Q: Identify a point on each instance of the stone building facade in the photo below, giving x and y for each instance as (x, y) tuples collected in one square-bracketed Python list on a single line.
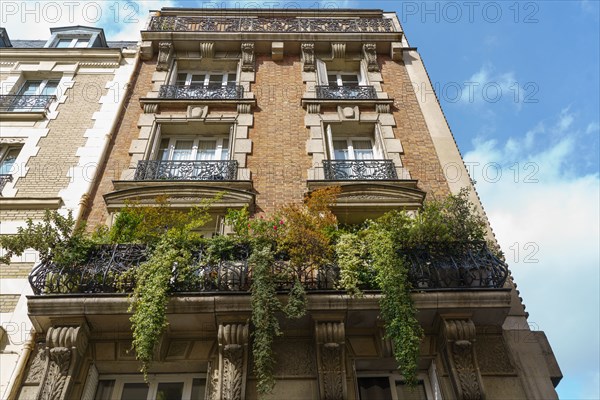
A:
[(263, 107), (60, 99)]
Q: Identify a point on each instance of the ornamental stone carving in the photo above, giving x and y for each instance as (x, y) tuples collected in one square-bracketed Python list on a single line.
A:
[(165, 54), (64, 349), (330, 338), (308, 57), (370, 55), (338, 50), (248, 57), (233, 362), (457, 338), (207, 49)]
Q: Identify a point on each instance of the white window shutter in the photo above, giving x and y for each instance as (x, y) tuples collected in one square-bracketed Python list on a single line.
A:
[(91, 383), (321, 73), (379, 150), (155, 144), (172, 79), (329, 136), (363, 74)]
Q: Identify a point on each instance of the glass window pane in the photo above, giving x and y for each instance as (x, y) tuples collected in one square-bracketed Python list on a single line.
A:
[(163, 150), (135, 391), (30, 88), (374, 388), (183, 149), (181, 78), (169, 391), (63, 43), (206, 150), (198, 389), (82, 43), (215, 79), (197, 80), (332, 79), (50, 88), (104, 390), (405, 392), (340, 149), (8, 161), (225, 150), (348, 80), (363, 149)]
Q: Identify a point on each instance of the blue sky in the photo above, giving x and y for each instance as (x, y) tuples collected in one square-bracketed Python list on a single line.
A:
[(519, 84)]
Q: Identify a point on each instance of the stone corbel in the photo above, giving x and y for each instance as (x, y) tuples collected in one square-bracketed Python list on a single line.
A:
[(308, 57), (146, 51), (338, 50), (396, 51), (207, 50), (370, 55), (456, 343), (248, 57), (330, 338), (233, 361), (277, 51), (65, 347), (165, 54)]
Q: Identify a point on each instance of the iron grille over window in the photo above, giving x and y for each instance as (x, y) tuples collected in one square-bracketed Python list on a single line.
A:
[(359, 169), (201, 92), (220, 170), (346, 92)]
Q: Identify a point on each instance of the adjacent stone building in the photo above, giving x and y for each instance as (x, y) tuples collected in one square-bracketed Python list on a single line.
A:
[(60, 100), (262, 107)]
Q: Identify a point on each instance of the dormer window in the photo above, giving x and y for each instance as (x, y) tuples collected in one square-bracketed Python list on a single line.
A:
[(72, 43)]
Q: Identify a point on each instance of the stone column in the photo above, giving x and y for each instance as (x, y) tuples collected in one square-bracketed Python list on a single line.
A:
[(457, 346), (331, 345)]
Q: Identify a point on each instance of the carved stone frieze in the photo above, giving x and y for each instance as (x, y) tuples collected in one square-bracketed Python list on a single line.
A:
[(308, 57), (370, 55), (330, 338), (457, 338), (248, 57), (207, 49), (338, 50), (233, 361), (37, 367), (64, 348), (165, 54)]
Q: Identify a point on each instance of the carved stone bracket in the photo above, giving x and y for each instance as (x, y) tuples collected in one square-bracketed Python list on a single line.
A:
[(233, 361), (165, 54), (207, 49), (330, 338), (248, 57), (370, 55), (457, 338), (382, 108), (244, 108), (64, 349), (150, 108), (308, 57), (338, 50), (313, 108)]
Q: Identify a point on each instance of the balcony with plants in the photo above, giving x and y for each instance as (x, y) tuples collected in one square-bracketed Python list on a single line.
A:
[(280, 264)]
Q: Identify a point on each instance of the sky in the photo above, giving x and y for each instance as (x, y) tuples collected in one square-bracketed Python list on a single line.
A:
[(519, 84)]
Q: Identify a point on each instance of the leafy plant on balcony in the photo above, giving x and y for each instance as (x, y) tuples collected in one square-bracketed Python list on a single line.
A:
[(376, 251), (56, 238)]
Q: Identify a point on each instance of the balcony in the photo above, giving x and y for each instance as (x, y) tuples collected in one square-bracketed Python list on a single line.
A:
[(346, 92), (201, 92), (344, 170), (4, 179), (12, 103), (222, 170), (431, 267)]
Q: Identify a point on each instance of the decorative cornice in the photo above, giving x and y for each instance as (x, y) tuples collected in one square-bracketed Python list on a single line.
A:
[(52, 54), (30, 203)]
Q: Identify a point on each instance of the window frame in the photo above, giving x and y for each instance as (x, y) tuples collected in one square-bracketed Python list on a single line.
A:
[(196, 140), (41, 88), (379, 152), (323, 74), (207, 74), (393, 378), (4, 151), (74, 41), (153, 381)]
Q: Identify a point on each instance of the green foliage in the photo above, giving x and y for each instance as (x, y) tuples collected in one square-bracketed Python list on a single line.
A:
[(352, 252), (266, 326), (56, 238), (296, 305)]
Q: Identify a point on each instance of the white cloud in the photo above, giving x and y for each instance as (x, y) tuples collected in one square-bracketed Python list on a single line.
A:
[(490, 86), (121, 20), (546, 218)]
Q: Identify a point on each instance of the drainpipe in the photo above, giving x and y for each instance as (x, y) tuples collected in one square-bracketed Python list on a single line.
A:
[(104, 156), (13, 386)]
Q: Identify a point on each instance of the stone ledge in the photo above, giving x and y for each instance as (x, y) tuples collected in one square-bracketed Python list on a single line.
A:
[(30, 203)]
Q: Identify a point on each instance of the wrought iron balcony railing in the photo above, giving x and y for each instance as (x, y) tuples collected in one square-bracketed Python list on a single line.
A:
[(346, 92), (201, 92), (222, 170), (109, 268), (341, 170), (4, 179), (272, 24), (25, 103)]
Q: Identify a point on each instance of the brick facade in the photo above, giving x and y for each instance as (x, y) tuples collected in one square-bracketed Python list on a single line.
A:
[(8, 302), (15, 270)]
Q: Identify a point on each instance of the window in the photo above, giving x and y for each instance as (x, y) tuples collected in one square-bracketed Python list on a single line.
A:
[(194, 149), (353, 149), (159, 387), (389, 388), (39, 88), (205, 78), (8, 157), (343, 79), (64, 43)]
